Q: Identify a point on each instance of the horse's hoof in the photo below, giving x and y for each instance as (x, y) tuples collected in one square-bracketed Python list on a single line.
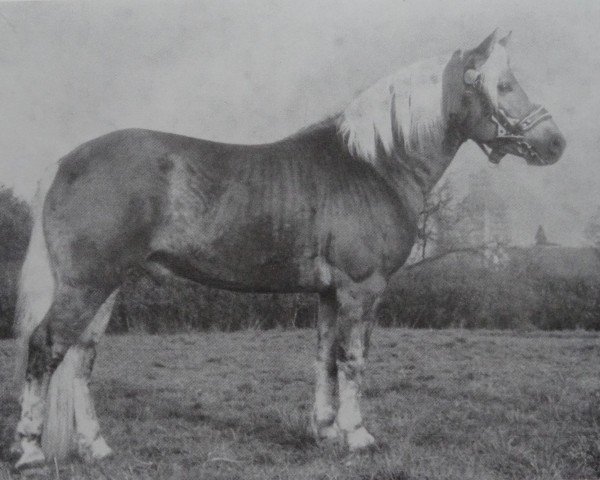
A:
[(359, 439), (100, 450), (15, 451), (329, 433), (31, 457), (97, 450), (325, 430)]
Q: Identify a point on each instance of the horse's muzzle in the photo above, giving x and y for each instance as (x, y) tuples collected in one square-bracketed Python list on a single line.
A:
[(534, 137), (548, 143)]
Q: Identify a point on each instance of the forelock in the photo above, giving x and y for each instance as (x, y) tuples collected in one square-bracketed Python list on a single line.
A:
[(492, 69)]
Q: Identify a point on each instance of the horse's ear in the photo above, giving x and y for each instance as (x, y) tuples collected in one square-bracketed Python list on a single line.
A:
[(453, 86), (504, 41), (485, 48)]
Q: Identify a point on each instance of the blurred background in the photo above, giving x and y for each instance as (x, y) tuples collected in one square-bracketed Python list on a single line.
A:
[(256, 71)]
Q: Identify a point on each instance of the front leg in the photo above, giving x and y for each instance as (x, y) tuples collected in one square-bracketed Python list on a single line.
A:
[(351, 365), (323, 418), (356, 304)]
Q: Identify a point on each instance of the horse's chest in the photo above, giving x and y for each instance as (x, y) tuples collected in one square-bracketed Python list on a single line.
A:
[(378, 238)]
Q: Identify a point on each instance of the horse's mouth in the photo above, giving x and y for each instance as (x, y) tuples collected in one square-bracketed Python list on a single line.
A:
[(520, 148)]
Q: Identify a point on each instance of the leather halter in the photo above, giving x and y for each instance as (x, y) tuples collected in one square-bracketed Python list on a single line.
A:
[(510, 129)]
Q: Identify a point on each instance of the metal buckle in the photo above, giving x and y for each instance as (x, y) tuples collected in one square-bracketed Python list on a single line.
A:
[(539, 114)]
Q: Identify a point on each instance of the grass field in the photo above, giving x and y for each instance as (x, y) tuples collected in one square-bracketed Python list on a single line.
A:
[(443, 405)]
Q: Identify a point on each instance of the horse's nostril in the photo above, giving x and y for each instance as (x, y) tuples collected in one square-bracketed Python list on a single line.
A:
[(557, 144)]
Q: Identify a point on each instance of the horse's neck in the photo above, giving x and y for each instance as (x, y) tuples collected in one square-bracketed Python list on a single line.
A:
[(399, 127), (414, 174), (424, 155)]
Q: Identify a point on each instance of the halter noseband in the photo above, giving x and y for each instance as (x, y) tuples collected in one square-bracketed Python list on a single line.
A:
[(509, 128)]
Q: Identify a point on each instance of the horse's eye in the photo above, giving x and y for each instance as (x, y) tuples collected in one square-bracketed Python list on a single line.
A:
[(505, 87)]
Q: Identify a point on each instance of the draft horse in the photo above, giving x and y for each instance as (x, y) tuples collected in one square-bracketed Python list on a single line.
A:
[(331, 210)]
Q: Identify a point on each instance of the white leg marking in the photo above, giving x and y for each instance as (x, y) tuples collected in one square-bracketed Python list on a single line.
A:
[(323, 425), (349, 418), (32, 409), (29, 428), (356, 308), (323, 418), (32, 456), (89, 440)]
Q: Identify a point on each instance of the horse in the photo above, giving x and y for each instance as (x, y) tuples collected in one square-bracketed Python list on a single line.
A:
[(330, 210)]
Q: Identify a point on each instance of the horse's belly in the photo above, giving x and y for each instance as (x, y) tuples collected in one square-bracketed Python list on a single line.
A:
[(250, 261), (240, 232)]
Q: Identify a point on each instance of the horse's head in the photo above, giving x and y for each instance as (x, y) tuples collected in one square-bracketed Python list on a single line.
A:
[(496, 113)]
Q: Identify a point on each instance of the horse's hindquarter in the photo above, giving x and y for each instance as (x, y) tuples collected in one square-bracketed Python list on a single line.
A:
[(101, 211), (262, 218)]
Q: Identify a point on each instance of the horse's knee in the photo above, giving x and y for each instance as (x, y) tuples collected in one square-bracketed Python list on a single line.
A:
[(356, 307), (351, 346)]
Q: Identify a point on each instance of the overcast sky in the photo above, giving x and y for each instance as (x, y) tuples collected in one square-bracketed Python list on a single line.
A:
[(255, 71)]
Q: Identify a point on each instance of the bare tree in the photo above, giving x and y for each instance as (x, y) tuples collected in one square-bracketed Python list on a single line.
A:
[(592, 229), (15, 226), (540, 236), (483, 213), (476, 224), (436, 216)]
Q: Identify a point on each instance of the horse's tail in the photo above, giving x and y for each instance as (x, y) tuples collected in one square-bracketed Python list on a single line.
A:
[(58, 432), (36, 284)]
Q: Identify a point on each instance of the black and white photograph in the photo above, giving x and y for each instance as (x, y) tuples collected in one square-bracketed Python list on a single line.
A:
[(300, 240)]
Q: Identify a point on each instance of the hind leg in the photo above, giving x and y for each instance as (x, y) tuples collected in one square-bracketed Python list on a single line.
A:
[(27, 446), (91, 444), (323, 418), (48, 390)]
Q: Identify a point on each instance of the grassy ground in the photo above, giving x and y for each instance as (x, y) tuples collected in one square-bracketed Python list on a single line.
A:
[(443, 405)]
